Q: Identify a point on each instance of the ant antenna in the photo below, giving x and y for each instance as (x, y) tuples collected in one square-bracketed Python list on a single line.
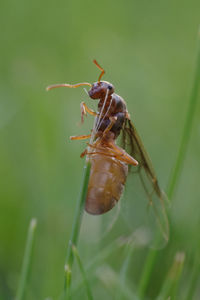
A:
[(50, 87), (102, 70)]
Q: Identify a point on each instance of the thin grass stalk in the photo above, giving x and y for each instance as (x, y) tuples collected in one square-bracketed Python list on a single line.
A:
[(75, 230), (82, 270), (194, 277), (192, 284), (124, 270), (148, 267), (175, 175), (98, 259), (26, 261), (170, 286), (111, 282)]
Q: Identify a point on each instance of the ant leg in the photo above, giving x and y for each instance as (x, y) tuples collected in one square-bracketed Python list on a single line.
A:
[(85, 109), (112, 154), (94, 146), (80, 137), (125, 157), (108, 128), (122, 155), (117, 153), (128, 115), (84, 153)]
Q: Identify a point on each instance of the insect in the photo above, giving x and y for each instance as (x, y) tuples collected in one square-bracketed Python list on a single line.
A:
[(109, 162)]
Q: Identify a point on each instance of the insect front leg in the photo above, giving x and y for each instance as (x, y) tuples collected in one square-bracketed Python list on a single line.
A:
[(85, 109)]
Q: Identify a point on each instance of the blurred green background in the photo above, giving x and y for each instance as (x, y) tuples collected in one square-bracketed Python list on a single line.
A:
[(148, 50)]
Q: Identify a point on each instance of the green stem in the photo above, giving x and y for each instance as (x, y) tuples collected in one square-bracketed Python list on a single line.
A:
[(187, 127), (98, 259), (175, 175), (124, 270), (194, 277), (89, 293), (170, 286), (26, 261), (75, 230), (111, 281), (149, 263)]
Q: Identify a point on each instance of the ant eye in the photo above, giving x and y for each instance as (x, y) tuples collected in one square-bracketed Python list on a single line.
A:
[(110, 87)]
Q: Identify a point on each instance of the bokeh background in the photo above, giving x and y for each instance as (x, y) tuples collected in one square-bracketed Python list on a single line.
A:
[(148, 50)]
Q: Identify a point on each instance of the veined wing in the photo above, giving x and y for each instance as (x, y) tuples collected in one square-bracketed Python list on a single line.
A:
[(157, 199)]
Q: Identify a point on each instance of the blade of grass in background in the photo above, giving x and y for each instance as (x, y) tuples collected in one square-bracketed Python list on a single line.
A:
[(75, 230), (26, 261), (175, 175), (193, 278), (111, 282), (187, 126), (88, 289), (124, 270), (170, 286), (99, 258)]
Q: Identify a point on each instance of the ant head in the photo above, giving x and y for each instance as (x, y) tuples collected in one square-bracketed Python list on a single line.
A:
[(100, 89)]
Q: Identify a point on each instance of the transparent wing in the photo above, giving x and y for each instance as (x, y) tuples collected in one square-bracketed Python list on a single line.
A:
[(142, 183)]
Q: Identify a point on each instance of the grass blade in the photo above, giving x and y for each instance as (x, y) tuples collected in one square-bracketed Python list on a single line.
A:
[(111, 281), (75, 230), (86, 283), (175, 175), (169, 289), (123, 273), (193, 278), (26, 261), (98, 259)]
